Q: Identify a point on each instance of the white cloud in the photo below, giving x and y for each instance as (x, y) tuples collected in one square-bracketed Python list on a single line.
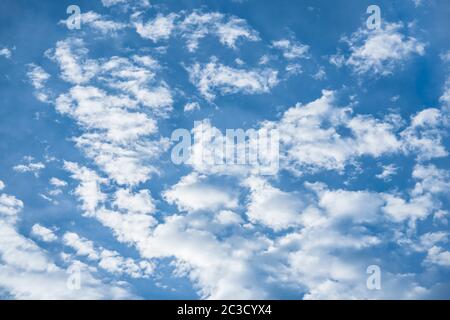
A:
[(291, 49), (117, 103), (214, 76), (360, 206), (37, 76), (30, 166), (310, 138), (198, 25), (439, 256), (320, 74), (227, 217), (108, 260), (388, 171), (417, 3), (445, 56), (58, 182), (118, 126), (193, 193), (93, 108), (160, 28), (5, 52), (425, 134), (233, 29), (127, 164), (430, 179), (26, 271), (2, 185), (417, 208), (88, 190), (71, 57), (109, 3), (82, 246), (191, 106), (10, 205), (195, 26), (220, 270), (43, 233), (99, 23), (132, 228), (140, 202), (378, 51), (127, 3), (112, 262), (272, 207)]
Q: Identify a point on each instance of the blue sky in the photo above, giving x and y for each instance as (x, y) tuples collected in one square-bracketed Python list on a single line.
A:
[(89, 194)]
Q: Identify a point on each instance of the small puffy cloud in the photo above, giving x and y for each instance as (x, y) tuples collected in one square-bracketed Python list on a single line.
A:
[(2, 185), (215, 77), (71, 56), (194, 193), (320, 74), (43, 233), (191, 106), (233, 29), (388, 171), (291, 49), (160, 28), (379, 51), (5, 52), (37, 76), (82, 246), (58, 183)]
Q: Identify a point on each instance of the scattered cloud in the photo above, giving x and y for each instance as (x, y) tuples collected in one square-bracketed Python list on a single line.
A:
[(43, 233), (215, 77)]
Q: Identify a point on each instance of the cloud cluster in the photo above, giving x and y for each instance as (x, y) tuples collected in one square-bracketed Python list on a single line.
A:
[(232, 233), (27, 272)]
